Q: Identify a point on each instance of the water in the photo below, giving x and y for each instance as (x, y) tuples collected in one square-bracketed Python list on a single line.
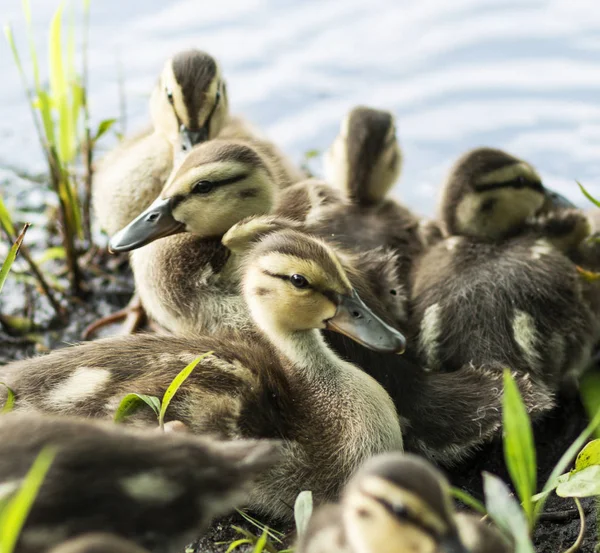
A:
[(520, 75)]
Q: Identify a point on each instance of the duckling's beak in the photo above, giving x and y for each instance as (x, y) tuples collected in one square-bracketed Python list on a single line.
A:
[(554, 201), (156, 222), (190, 138), (355, 320)]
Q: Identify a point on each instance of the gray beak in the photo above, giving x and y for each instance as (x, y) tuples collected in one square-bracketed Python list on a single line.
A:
[(190, 138), (156, 222), (355, 320), (555, 201)]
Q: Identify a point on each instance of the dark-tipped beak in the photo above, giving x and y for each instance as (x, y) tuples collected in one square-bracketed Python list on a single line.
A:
[(354, 319), (156, 222), (452, 544), (190, 138), (555, 201)]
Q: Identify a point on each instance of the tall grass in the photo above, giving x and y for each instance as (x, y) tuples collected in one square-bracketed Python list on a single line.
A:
[(61, 116)]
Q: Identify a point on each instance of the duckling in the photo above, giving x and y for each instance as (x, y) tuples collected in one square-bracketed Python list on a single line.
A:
[(362, 164), (186, 282), (499, 289), (188, 105), (158, 490), (398, 503), (279, 382)]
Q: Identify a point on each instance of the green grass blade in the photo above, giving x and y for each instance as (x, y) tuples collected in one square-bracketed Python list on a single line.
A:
[(12, 255), (273, 534), (261, 543), (132, 402), (590, 395), (565, 461), (14, 514), (103, 128), (237, 543), (175, 385), (58, 82), (588, 195), (10, 399), (6, 220), (519, 449), (506, 512), (468, 500), (32, 49), (303, 509)]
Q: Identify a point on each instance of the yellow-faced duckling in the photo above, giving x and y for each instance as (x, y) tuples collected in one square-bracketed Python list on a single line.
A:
[(363, 163), (186, 282), (158, 490), (499, 291), (398, 504), (188, 105), (281, 382)]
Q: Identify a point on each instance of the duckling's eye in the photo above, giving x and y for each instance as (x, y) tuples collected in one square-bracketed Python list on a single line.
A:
[(217, 97), (169, 93), (203, 187), (400, 511), (299, 281), (521, 182)]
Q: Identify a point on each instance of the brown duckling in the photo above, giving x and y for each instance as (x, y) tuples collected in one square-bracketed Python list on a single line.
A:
[(401, 504), (188, 105), (186, 281), (158, 490), (499, 289), (281, 382), (363, 163)]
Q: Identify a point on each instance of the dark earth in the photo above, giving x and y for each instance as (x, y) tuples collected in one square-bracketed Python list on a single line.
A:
[(109, 285)]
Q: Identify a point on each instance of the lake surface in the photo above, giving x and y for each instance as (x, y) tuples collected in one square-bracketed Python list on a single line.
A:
[(520, 75)]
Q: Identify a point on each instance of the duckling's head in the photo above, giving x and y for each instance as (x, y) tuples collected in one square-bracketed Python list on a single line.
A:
[(189, 103), (218, 184), (490, 194), (365, 159), (400, 503), (293, 282)]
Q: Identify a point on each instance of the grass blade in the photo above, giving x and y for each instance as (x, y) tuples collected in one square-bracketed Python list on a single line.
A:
[(175, 385), (6, 220), (588, 195), (303, 508), (10, 399), (506, 512), (132, 402), (590, 395), (261, 543), (14, 514), (468, 500), (519, 449), (12, 255)]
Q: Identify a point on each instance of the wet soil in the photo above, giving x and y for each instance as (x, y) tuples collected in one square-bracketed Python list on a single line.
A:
[(109, 285)]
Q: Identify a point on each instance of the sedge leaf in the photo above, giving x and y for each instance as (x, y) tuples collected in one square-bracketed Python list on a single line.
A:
[(132, 402), (590, 395), (588, 195), (15, 511), (10, 399), (519, 449), (103, 128), (588, 456), (506, 512), (6, 220), (582, 483), (175, 385), (468, 500), (12, 255)]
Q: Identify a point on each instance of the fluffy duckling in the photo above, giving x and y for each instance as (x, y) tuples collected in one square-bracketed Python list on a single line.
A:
[(158, 490), (188, 105), (186, 282), (398, 503), (499, 290), (363, 163), (282, 382)]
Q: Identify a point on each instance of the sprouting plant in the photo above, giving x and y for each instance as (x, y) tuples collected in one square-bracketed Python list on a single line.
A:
[(15, 506), (61, 117), (518, 517), (133, 401)]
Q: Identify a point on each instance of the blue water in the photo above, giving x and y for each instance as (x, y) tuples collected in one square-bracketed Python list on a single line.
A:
[(519, 75)]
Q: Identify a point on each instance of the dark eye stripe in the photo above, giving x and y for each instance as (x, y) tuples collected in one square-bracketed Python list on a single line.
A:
[(517, 183)]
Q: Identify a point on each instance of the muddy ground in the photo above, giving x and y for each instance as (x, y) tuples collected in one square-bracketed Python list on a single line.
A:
[(109, 286)]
